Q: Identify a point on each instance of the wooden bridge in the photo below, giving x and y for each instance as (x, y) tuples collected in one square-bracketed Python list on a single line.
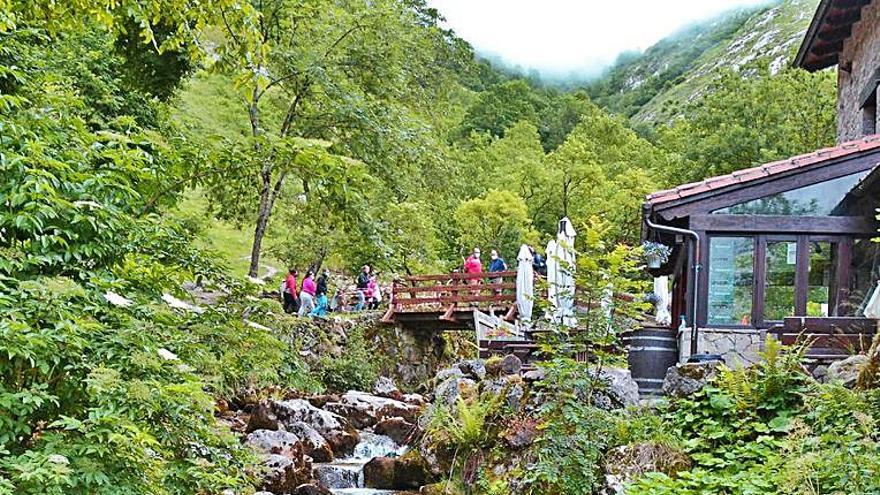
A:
[(449, 301), (469, 302)]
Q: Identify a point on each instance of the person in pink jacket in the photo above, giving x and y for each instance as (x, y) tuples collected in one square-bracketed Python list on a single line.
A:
[(307, 294), (374, 294), (473, 264)]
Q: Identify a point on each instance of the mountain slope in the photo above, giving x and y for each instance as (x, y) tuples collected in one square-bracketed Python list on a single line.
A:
[(655, 85)]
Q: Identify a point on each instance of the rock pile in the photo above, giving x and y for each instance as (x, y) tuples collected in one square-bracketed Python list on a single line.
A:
[(300, 438)]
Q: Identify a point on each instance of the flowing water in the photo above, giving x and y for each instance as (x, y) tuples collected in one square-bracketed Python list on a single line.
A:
[(345, 476)]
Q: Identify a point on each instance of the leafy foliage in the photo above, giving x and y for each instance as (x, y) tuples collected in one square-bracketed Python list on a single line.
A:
[(771, 429), (497, 221), (744, 122), (357, 369)]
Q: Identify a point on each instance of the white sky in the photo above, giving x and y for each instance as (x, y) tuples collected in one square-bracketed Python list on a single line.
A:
[(558, 37)]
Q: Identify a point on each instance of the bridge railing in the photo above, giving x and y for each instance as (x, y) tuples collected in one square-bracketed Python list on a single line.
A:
[(449, 291)]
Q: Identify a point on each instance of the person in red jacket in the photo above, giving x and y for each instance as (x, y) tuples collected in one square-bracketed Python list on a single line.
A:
[(288, 292)]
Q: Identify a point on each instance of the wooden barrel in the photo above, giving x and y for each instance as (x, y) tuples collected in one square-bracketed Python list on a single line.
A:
[(650, 352)]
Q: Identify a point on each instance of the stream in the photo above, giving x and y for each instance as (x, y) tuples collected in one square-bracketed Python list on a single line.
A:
[(346, 476)]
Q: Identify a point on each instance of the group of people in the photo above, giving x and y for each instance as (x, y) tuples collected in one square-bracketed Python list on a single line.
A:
[(473, 264), (310, 297)]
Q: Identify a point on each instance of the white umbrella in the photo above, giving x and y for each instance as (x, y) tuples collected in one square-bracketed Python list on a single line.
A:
[(560, 273), (525, 284), (661, 290), (565, 239), (552, 272), (872, 309)]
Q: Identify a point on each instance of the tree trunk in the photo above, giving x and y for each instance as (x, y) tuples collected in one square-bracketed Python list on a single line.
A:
[(267, 202), (316, 266), (262, 220)]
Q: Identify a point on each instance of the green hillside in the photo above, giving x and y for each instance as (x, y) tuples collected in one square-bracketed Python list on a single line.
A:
[(654, 85)]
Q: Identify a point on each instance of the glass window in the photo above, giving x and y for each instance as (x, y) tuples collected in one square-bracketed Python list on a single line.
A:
[(821, 279), (731, 264), (864, 272), (779, 279), (820, 199)]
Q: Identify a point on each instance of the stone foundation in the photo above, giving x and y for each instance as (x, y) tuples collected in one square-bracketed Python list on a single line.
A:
[(738, 347)]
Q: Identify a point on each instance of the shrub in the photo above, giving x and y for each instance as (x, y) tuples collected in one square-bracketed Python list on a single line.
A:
[(356, 369)]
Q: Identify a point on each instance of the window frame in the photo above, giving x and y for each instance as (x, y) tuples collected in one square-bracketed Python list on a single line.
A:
[(837, 291)]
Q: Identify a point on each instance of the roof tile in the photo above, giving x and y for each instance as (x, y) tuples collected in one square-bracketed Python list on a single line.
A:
[(768, 169)]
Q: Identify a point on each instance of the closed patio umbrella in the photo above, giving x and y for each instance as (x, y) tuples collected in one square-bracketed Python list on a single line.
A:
[(525, 284), (561, 280)]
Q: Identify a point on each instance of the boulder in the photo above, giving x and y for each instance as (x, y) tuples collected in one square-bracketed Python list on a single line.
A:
[(320, 400), (314, 445), (510, 386), (415, 399), (311, 489), (510, 365), (474, 369), (448, 391), (626, 463), (410, 472), (365, 410), (262, 418), (687, 379), (535, 375), (282, 475), (379, 473), (276, 442), (291, 411), (619, 389), (521, 433), (447, 373), (846, 371), (385, 387), (342, 442), (397, 429), (334, 428), (336, 477)]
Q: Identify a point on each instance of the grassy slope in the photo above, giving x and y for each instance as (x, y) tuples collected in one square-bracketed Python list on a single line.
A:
[(638, 77), (211, 108), (769, 37), (654, 86)]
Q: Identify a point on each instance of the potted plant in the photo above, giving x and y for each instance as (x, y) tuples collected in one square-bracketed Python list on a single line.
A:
[(655, 253)]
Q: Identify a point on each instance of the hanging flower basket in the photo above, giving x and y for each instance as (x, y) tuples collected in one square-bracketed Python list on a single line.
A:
[(656, 254)]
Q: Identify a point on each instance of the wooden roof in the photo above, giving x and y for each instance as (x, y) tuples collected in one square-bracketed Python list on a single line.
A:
[(778, 171), (832, 25)]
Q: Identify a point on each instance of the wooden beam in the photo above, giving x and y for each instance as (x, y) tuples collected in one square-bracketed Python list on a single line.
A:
[(846, 16), (453, 288), (836, 34), (459, 276), (777, 224), (827, 48), (415, 301)]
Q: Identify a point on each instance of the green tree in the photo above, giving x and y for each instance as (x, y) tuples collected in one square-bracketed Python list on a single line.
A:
[(340, 71), (499, 220), (743, 122), (500, 107)]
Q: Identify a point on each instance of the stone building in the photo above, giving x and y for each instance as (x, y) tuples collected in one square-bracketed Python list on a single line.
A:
[(785, 247), (846, 33)]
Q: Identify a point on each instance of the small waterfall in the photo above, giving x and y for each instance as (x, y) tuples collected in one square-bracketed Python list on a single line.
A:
[(345, 476)]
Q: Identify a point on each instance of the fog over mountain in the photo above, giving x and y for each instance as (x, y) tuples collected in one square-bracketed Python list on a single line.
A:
[(566, 40)]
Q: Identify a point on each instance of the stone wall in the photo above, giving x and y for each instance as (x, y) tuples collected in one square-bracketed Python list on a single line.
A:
[(862, 48), (738, 347)]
